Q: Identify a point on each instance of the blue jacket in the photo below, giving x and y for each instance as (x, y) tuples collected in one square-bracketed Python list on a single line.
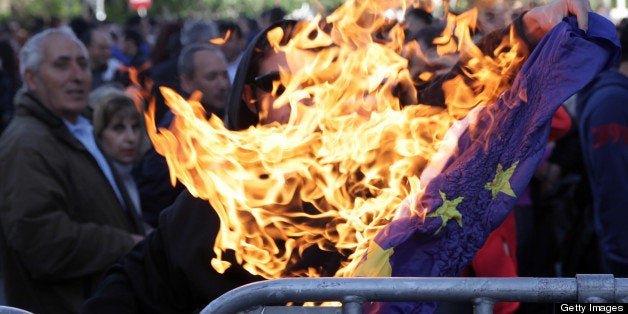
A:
[(602, 114)]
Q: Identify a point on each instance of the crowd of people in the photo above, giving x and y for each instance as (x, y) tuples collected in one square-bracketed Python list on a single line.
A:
[(91, 222)]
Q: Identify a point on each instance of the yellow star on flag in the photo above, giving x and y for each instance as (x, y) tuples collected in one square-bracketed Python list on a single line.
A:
[(501, 182), (376, 264), (448, 210)]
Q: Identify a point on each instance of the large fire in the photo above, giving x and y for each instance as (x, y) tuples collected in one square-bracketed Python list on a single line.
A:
[(338, 171)]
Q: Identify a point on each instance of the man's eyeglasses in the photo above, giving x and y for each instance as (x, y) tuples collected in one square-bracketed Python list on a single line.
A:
[(265, 82)]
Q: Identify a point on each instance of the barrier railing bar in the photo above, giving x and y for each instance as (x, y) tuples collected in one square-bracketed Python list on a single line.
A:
[(352, 292), (483, 306)]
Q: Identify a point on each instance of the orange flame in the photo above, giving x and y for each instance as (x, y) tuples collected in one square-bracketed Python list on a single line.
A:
[(337, 172), (139, 87), (220, 40)]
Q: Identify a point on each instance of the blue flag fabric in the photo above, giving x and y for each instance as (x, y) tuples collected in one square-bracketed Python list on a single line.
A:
[(494, 160)]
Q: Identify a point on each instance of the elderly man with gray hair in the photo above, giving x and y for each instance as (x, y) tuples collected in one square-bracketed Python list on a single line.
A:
[(152, 175), (162, 73), (203, 68), (64, 218)]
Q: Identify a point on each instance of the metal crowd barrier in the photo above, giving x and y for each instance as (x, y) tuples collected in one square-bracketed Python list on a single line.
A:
[(353, 292)]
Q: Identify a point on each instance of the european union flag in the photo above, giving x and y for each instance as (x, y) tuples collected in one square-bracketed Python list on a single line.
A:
[(497, 151)]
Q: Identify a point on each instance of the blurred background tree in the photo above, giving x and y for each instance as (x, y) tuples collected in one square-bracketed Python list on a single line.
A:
[(32, 13), (25, 11)]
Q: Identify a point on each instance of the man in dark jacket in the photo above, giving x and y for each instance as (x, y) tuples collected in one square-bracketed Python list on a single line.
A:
[(170, 271), (202, 69), (184, 77), (63, 217)]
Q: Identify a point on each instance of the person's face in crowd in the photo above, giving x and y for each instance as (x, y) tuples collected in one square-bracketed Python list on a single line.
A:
[(129, 47), (63, 80), (244, 25), (232, 47), (493, 15), (100, 49), (120, 139), (210, 77), (266, 88)]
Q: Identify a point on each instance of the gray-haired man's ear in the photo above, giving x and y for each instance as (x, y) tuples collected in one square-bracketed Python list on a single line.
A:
[(186, 84), (29, 77)]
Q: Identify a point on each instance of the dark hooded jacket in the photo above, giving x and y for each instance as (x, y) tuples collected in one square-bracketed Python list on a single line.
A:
[(169, 272)]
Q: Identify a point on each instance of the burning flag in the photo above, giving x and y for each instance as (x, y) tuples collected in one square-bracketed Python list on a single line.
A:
[(471, 189), (362, 173)]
